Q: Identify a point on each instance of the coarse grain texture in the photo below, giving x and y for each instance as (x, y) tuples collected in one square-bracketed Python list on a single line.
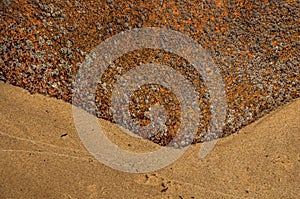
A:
[(255, 44)]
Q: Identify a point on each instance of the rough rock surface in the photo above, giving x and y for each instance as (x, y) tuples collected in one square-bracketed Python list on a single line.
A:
[(255, 45)]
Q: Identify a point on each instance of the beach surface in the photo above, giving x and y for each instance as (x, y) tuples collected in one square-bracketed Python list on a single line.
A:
[(41, 154)]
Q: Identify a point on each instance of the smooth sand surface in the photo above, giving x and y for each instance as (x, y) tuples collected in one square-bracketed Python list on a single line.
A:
[(42, 156)]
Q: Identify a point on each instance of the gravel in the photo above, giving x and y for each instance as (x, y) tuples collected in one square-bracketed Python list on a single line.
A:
[(255, 45)]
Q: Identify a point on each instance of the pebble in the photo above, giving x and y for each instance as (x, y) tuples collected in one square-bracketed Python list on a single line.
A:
[(254, 44)]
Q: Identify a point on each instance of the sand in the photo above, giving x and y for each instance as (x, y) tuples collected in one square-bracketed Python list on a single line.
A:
[(42, 156)]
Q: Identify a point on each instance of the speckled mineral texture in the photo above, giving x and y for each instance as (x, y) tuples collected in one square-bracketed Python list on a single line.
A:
[(255, 44)]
